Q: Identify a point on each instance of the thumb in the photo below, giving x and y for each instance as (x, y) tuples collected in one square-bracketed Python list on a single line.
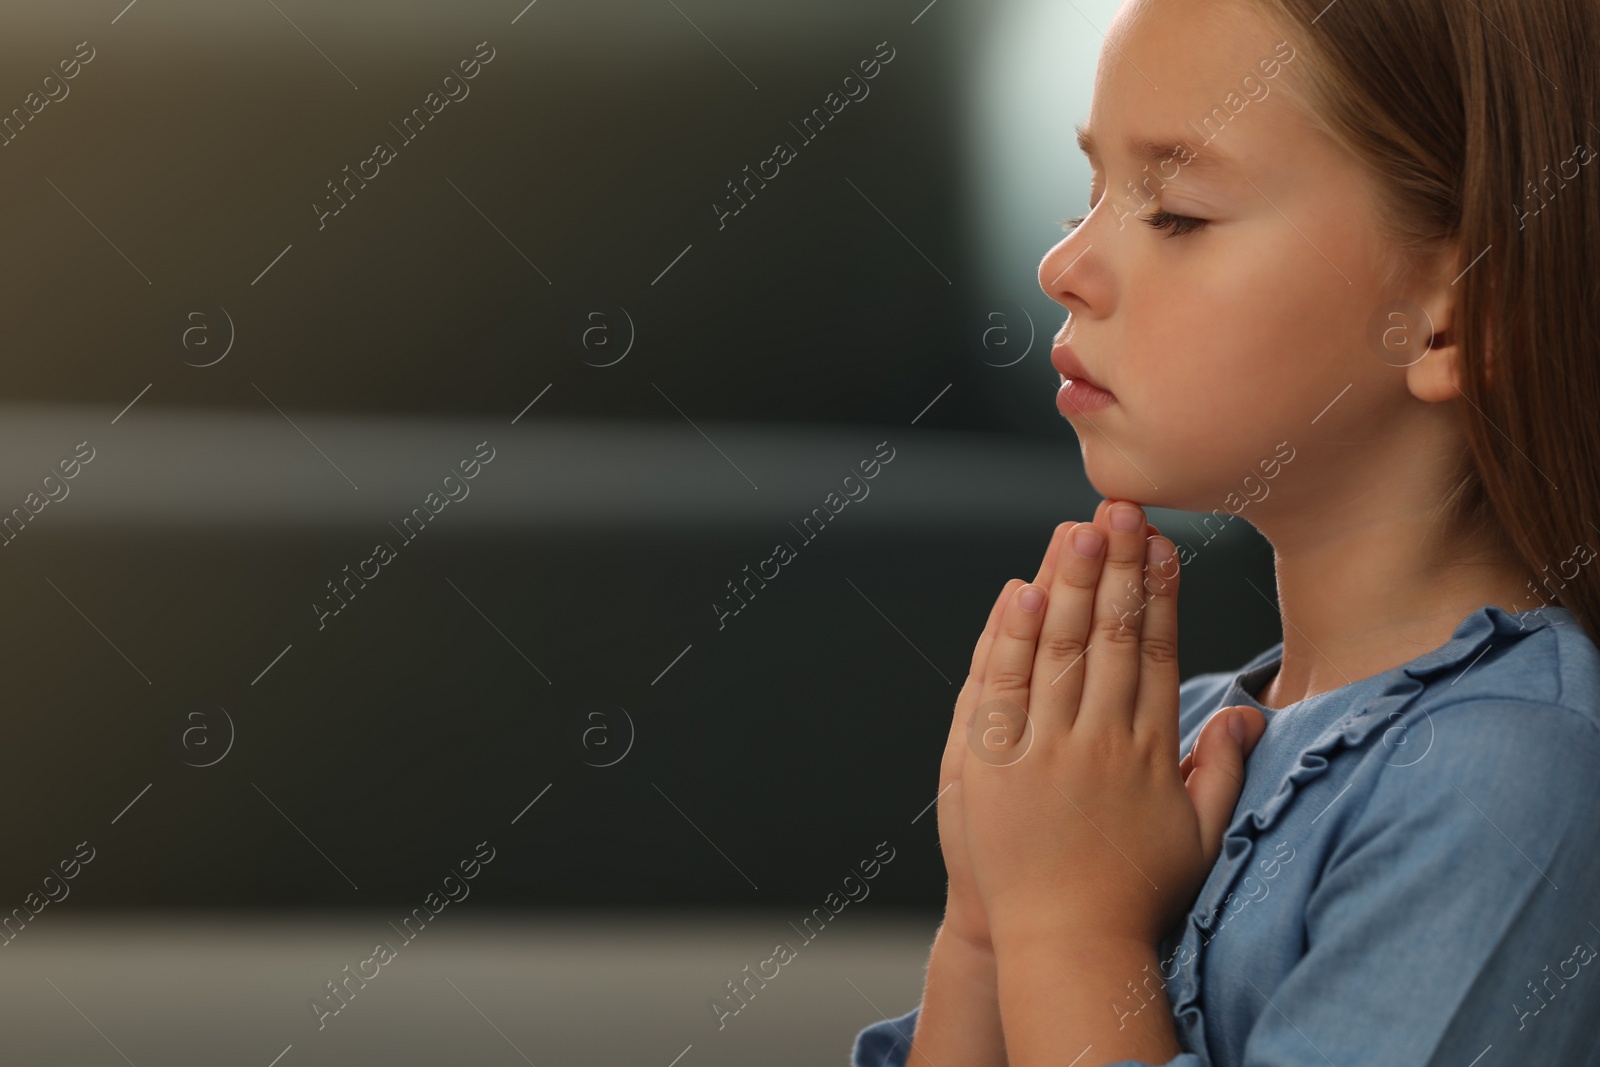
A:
[(1217, 776)]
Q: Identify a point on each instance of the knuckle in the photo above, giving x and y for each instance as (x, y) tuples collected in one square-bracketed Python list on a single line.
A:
[(1080, 573), (1150, 746), (1103, 747), (1125, 574), (1017, 628), (1160, 649), (1009, 679), (1061, 645), (1117, 629)]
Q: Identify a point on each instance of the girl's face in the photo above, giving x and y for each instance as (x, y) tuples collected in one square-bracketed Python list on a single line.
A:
[(1222, 344)]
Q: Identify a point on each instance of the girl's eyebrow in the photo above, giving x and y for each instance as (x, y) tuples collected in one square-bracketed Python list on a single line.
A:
[(1157, 151)]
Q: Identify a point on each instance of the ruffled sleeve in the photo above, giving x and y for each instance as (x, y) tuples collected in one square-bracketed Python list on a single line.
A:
[(887, 1043)]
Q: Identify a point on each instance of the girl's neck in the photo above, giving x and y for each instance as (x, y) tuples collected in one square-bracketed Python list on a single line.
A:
[(1349, 615)]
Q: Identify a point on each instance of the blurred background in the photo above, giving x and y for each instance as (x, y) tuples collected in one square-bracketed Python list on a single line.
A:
[(580, 271)]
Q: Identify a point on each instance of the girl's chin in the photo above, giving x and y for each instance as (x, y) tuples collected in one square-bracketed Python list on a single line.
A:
[(1114, 477), (1112, 474)]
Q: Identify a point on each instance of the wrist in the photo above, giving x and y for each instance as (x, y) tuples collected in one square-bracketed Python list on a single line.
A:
[(1092, 968), (977, 948), (1072, 947), (1050, 926), (960, 1017), (1083, 988), (964, 967)]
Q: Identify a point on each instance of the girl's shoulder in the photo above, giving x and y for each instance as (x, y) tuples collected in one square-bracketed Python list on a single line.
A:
[(1501, 677), (1447, 811), (1497, 728), (1542, 657), (1541, 660), (1509, 707)]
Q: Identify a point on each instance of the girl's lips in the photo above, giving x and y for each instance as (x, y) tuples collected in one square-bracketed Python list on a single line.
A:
[(1078, 397), (1065, 361)]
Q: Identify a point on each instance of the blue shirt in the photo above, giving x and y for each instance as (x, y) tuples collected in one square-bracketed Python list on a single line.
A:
[(1412, 873)]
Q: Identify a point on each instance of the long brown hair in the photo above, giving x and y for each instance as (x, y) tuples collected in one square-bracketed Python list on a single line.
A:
[(1470, 115)]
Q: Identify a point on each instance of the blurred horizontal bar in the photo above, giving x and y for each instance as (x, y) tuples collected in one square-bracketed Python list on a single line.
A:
[(486, 988), (158, 466)]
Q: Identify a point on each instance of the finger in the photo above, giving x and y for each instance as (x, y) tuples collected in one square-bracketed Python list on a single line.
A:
[(1003, 698), (955, 743), (968, 699), (1059, 663), (1156, 705), (1150, 529), (1046, 575), (1218, 775), (1047, 567), (1112, 683), (980, 651), (1186, 765)]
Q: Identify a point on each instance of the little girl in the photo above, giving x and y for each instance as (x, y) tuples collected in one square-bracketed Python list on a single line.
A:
[(1355, 243)]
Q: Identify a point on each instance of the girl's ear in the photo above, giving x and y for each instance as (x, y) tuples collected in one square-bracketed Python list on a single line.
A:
[(1437, 375)]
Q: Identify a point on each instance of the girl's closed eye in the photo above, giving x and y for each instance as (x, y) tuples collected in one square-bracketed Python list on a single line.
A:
[(1175, 225)]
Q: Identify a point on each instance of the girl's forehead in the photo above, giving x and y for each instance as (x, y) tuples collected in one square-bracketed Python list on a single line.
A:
[(1177, 83), (1186, 47)]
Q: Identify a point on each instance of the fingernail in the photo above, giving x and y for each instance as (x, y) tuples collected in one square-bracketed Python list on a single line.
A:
[(1236, 726), (1157, 551), (1126, 518), (1087, 541), (1030, 599)]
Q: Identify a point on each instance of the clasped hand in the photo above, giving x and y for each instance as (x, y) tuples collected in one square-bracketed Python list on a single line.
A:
[(1064, 810)]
